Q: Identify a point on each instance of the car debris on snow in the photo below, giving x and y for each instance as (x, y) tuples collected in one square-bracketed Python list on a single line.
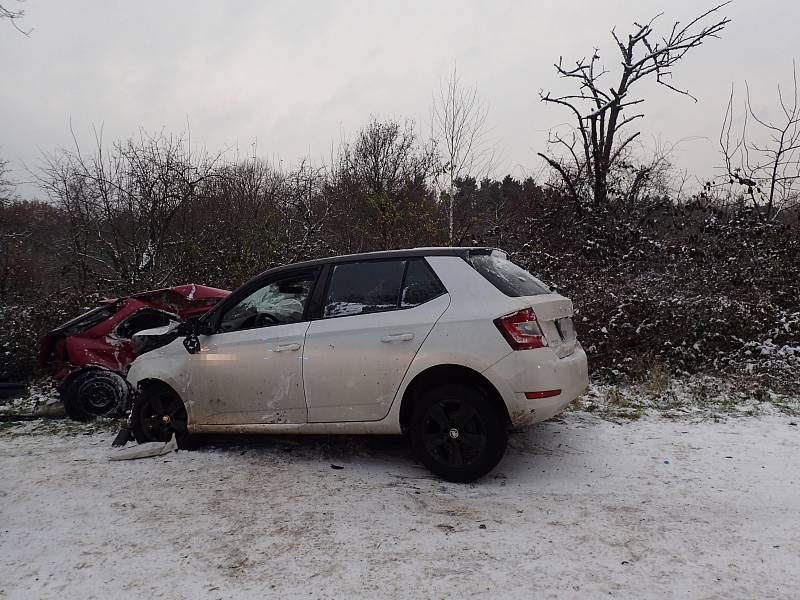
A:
[(147, 450)]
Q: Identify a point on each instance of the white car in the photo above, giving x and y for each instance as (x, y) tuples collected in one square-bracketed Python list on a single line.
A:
[(451, 346)]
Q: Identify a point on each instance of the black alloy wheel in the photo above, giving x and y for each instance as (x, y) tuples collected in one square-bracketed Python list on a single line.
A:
[(454, 433), (158, 414), (457, 433)]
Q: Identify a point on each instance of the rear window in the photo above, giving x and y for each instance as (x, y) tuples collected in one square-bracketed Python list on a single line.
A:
[(507, 277), (88, 319)]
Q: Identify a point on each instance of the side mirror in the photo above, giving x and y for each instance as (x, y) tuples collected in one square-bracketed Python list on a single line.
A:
[(191, 343), (190, 329)]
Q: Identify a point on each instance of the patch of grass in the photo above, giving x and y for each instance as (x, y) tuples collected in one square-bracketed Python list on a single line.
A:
[(659, 377), (709, 395), (615, 398)]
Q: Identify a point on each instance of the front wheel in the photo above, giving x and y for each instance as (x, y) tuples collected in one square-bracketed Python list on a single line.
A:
[(457, 433), (158, 414)]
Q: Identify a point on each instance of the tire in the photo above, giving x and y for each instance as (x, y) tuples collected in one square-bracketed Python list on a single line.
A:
[(95, 393), (157, 414), (457, 433)]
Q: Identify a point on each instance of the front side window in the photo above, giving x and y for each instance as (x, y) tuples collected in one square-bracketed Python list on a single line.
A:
[(367, 287), (277, 303)]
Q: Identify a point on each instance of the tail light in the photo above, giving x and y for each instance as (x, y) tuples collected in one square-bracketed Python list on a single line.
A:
[(521, 330)]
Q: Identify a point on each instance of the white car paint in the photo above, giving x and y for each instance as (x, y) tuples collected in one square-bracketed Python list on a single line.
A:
[(336, 375), (353, 365), (260, 369)]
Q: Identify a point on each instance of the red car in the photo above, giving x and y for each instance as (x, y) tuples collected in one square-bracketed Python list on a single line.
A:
[(90, 355)]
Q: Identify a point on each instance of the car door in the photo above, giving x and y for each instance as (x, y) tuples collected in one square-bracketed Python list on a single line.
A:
[(250, 370), (375, 316)]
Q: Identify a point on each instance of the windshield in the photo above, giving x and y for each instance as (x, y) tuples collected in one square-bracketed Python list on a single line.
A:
[(507, 277)]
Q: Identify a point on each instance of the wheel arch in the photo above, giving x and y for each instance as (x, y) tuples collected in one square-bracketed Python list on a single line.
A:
[(156, 382), (443, 374), (151, 382)]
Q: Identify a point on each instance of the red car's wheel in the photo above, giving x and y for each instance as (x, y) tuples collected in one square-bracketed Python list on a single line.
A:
[(95, 393)]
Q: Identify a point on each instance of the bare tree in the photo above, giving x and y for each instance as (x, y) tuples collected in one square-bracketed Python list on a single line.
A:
[(459, 128), (6, 187), (380, 183), (13, 16), (768, 169), (304, 210), (121, 203), (600, 139)]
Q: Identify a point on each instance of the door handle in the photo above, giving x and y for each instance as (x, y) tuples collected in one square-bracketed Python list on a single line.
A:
[(398, 337), (282, 347)]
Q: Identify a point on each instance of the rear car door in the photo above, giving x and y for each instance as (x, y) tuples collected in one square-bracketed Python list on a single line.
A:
[(250, 370), (375, 315)]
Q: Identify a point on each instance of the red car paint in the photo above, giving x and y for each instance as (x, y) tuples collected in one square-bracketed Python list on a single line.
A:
[(72, 347)]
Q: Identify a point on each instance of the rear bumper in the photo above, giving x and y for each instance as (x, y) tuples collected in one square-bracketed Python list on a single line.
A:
[(537, 371)]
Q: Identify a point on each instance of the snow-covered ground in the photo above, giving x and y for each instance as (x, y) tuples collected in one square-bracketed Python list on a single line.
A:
[(579, 508)]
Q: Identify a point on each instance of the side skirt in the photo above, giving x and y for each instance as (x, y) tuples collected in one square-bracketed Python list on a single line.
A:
[(385, 427)]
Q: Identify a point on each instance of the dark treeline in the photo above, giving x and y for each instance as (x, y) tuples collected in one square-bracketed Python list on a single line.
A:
[(701, 282)]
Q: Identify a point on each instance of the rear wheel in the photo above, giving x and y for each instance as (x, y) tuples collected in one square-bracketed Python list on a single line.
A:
[(95, 393), (457, 433), (158, 414)]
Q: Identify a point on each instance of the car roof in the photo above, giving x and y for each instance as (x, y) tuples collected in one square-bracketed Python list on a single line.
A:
[(189, 291), (462, 251)]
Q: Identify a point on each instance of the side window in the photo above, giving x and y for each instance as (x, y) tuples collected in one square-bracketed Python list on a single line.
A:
[(143, 319), (420, 285), (367, 287), (277, 303)]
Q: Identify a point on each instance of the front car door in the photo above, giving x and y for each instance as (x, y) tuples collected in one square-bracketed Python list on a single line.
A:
[(375, 316), (251, 369)]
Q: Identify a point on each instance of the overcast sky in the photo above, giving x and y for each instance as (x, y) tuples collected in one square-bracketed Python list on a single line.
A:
[(294, 77)]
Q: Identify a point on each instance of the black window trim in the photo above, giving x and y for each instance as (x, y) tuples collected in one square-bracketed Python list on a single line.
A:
[(329, 268)]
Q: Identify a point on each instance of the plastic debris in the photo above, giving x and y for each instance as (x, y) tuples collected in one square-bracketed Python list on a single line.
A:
[(145, 450)]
